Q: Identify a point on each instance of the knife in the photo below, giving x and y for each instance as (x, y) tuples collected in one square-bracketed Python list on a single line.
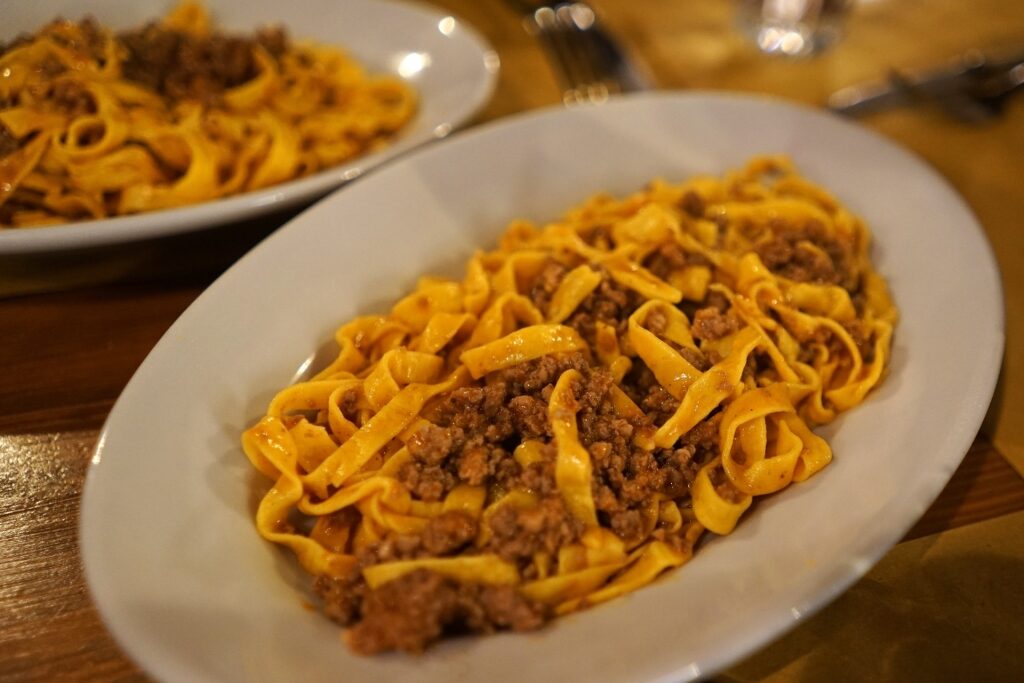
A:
[(970, 88)]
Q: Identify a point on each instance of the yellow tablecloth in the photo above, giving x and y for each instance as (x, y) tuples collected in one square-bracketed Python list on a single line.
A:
[(942, 608)]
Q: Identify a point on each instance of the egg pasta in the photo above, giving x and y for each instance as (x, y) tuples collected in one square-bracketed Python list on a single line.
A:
[(95, 124), (562, 425)]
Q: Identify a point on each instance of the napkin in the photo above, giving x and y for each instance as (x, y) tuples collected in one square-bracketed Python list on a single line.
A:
[(945, 607)]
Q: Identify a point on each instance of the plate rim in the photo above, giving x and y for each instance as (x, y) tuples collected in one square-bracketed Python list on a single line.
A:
[(841, 576)]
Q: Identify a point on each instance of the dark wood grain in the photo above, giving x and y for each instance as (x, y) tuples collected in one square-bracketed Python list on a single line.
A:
[(66, 356), (49, 629)]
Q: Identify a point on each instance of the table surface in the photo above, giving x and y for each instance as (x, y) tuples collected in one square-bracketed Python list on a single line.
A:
[(66, 355)]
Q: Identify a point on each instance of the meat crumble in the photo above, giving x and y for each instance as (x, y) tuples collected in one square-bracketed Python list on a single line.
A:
[(470, 440), (417, 608), (8, 143), (493, 437), (808, 254), (179, 65)]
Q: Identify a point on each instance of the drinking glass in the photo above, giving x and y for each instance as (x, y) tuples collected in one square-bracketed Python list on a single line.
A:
[(795, 28)]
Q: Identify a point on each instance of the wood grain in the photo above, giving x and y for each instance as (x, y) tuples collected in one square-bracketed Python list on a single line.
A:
[(49, 629), (68, 355)]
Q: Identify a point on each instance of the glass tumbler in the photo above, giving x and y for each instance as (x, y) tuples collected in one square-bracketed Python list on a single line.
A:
[(794, 28)]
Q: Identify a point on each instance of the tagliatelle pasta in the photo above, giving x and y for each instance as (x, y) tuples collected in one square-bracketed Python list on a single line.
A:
[(563, 424), (95, 124)]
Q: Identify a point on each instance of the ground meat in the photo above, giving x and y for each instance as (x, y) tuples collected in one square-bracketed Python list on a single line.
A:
[(629, 526), (704, 434), (341, 597), (657, 321), (518, 533), (51, 67), (534, 376), (659, 404), (695, 358), (488, 607), (642, 478), (474, 432), (605, 427), (448, 532), (405, 614), (8, 143), (775, 251), (473, 466), (445, 534), (476, 428), (718, 301), (72, 98), (680, 466), (693, 204), (463, 408), (349, 404), (671, 257), (600, 236), (624, 475), (414, 610), (538, 477), (675, 482), (594, 391), (92, 40), (808, 254), (643, 389), (724, 487), (427, 482), (710, 323), (179, 65), (610, 304), (530, 417), (430, 444), (545, 285), (665, 259), (506, 472), (273, 39), (605, 499)]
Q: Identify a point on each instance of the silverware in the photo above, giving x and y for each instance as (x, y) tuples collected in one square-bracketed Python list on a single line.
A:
[(973, 88), (589, 62)]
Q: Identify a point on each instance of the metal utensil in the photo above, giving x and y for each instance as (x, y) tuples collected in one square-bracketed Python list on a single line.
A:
[(973, 88), (589, 62)]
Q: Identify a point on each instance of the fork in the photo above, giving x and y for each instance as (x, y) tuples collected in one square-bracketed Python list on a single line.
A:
[(589, 64)]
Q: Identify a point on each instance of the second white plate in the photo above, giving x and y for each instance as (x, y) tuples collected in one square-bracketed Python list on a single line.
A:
[(449, 65)]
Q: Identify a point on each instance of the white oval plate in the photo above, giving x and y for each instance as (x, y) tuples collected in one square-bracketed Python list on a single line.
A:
[(192, 593), (452, 69)]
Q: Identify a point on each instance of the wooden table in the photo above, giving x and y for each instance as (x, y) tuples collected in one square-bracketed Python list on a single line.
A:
[(66, 355)]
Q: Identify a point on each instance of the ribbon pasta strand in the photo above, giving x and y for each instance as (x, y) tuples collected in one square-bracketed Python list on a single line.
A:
[(561, 425), (95, 124)]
